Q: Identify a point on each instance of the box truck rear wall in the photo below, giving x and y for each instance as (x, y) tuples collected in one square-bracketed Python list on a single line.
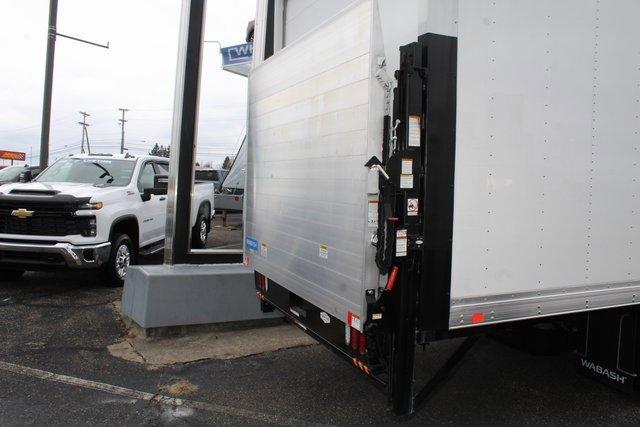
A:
[(502, 186)]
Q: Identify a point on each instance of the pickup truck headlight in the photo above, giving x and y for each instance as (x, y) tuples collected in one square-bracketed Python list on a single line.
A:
[(91, 206), (91, 228)]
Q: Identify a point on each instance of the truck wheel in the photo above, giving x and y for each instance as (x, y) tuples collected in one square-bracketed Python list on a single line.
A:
[(200, 230), (8, 275), (122, 255)]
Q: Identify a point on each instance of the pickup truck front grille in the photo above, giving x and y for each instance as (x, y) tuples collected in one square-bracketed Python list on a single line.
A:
[(42, 225), (54, 216)]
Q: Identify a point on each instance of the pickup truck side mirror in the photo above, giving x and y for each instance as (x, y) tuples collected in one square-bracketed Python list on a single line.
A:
[(148, 192), (25, 176), (160, 183)]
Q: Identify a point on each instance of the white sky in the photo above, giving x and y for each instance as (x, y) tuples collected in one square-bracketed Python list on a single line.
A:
[(137, 72)]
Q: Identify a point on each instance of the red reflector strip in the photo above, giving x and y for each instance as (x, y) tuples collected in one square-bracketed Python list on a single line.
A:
[(360, 365), (477, 318)]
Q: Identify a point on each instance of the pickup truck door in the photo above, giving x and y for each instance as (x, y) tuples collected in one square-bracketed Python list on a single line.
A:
[(153, 211)]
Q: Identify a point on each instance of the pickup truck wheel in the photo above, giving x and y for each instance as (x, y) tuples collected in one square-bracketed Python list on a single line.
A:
[(7, 275), (200, 230), (122, 255)]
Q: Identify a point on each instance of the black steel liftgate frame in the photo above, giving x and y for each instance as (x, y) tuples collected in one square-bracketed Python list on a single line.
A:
[(416, 309)]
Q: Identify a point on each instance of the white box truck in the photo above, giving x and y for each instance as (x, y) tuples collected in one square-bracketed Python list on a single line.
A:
[(423, 170)]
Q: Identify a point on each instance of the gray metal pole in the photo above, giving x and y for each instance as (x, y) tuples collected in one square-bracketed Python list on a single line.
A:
[(48, 84), (184, 131)]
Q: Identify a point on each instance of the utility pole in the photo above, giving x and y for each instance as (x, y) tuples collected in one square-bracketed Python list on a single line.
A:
[(84, 125), (52, 32), (122, 122), (48, 84)]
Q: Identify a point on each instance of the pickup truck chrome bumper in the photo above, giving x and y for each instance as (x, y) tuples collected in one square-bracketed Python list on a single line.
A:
[(41, 255)]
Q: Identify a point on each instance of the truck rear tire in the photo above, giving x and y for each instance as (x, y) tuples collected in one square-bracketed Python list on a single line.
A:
[(122, 256), (8, 275), (200, 231)]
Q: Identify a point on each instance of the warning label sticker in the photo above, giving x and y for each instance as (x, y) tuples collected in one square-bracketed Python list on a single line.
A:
[(401, 243), (412, 207), (324, 251), (353, 320), (414, 131), (407, 166), (406, 181), (372, 211)]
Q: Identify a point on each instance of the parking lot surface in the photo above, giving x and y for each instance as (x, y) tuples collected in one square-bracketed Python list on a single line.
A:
[(55, 369)]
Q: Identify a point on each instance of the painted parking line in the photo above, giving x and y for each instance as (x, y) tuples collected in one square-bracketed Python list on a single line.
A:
[(158, 398)]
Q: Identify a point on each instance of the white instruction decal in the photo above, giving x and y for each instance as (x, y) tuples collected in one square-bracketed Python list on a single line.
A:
[(406, 181), (414, 131), (372, 211), (407, 166), (324, 251), (401, 243), (263, 250), (412, 207)]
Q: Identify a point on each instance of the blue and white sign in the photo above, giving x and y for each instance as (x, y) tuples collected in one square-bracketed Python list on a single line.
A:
[(251, 244), (239, 54)]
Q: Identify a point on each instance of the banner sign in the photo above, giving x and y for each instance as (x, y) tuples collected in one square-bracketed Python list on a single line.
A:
[(238, 54), (13, 155)]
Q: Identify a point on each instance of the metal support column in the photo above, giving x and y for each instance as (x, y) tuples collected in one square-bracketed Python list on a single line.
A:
[(183, 144), (184, 130)]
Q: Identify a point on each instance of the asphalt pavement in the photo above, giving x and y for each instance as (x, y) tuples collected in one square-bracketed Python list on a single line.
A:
[(55, 369)]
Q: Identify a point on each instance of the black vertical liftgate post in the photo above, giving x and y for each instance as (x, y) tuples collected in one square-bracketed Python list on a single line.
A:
[(408, 108), (426, 97), (183, 143)]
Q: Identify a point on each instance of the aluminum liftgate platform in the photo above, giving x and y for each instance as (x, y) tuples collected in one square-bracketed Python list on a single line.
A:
[(385, 351)]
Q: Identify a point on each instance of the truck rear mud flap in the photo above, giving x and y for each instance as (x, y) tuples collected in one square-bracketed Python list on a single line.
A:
[(608, 347)]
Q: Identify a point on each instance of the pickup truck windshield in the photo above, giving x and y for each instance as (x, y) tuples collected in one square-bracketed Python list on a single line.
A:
[(90, 171), (11, 173)]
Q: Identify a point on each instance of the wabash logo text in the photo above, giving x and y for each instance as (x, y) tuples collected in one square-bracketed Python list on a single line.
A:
[(612, 375)]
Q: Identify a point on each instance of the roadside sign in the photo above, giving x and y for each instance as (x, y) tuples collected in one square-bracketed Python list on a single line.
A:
[(241, 53), (237, 59), (13, 155)]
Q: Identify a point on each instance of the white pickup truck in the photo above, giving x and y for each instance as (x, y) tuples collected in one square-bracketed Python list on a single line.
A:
[(92, 211)]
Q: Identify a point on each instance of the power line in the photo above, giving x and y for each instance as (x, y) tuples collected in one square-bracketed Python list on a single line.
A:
[(52, 32)]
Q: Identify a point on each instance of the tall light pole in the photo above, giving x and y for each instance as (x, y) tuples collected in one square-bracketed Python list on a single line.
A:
[(122, 122), (52, 32)]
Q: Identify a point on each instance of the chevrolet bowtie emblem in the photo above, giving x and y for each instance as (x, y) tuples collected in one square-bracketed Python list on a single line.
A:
[(22, 213)]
